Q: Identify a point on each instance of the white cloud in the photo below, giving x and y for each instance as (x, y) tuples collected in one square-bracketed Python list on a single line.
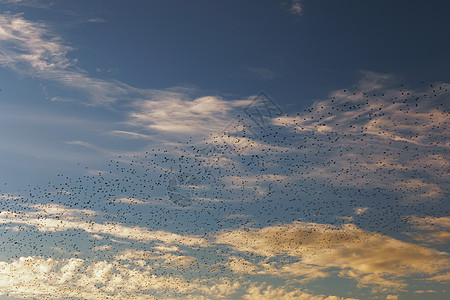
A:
[(31, 48), (203, 115), (35, 277), (54, 218)]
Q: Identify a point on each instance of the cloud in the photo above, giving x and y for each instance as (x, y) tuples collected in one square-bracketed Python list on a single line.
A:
[(296, 7), (30, 45), (360, 210), (102, 248), (429, 223), (31, 48), (307, 272), (129, 134), (372, 81), (241, 266), (441, 278), (10, 197), (437, 229), (54, 218), (425, 292), (36, 277), (268, 292), (168, 259), (128, 200), (367, 138), (369, 258), (202, 115), (31, 3)]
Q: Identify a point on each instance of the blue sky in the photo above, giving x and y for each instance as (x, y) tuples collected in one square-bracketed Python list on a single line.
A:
[(224, 149)]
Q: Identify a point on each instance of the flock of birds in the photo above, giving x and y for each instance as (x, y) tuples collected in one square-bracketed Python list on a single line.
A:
[(360, 158)]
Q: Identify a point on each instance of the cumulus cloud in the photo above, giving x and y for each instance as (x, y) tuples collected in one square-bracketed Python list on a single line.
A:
[(31, 277), (47, 278)]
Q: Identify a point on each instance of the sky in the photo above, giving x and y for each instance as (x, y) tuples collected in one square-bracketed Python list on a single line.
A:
[(284, 149)]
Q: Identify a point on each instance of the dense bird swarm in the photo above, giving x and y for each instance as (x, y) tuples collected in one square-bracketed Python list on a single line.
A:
[(355, 187)]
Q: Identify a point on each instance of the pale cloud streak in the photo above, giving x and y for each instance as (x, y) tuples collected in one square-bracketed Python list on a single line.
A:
[(54, 218)]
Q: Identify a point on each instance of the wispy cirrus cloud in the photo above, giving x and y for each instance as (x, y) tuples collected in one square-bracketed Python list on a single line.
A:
[(32, 48)]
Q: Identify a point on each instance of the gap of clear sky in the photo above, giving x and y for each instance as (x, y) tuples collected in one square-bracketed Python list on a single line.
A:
[(290, 149)]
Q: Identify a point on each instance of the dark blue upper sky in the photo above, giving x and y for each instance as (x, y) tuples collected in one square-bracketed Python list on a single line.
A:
[(212, 44)]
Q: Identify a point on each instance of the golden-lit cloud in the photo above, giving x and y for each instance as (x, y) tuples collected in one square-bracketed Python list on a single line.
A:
[(430, 229), (268, 292), (372, 259)]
